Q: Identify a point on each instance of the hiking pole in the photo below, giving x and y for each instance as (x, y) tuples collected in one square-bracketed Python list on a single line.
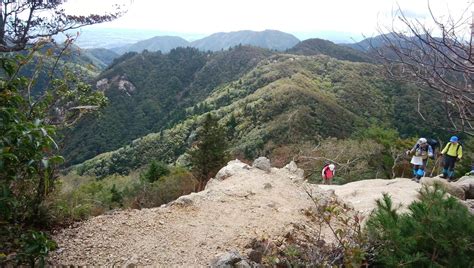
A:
[(435, 166)]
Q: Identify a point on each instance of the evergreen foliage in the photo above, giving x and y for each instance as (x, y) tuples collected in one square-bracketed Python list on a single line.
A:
[(116, 196), (156, 171), (317, 46), (437, 231), (285, 99), (209, 153), (166, 84)]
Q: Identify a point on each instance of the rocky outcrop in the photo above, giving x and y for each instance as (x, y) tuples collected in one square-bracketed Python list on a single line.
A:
[(362, 194), (466, 183), (262, 163), (239, 205), (297, 174), (451, 188), (120, 81), (232, 168), (231, 259), (242, 204)]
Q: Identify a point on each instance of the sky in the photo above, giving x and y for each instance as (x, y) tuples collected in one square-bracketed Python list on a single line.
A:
[(303, 18)]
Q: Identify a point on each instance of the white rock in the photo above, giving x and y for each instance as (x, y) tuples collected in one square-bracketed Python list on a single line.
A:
[(232, 168), (262, 163)]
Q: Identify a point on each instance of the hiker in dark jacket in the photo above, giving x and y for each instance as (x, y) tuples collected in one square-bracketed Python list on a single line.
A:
[(452, 153), (421, 151)]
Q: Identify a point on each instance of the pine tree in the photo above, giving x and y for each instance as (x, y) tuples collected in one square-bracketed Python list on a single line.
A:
[(156, 171), (209, 153), (438, 231), (116, 196)]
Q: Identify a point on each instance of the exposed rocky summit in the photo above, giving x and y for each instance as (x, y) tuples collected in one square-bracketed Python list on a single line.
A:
[(218, 226)]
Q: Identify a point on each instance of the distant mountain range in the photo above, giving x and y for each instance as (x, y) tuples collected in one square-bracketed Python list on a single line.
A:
[(270, 39), (157, 43)]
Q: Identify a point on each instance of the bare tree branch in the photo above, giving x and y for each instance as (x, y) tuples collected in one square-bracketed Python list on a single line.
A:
[(45, 18), (444, 64)]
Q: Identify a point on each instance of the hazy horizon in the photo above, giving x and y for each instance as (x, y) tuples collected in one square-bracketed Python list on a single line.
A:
[(88, 36), (339, 21)]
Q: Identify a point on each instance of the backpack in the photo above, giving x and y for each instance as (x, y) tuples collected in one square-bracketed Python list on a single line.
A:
[(434, 144), (457, 149)]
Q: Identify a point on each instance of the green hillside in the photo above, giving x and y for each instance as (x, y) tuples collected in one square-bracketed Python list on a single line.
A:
[(163, 86), (286, 99), (102, 55), (318, 46), (53, 61)]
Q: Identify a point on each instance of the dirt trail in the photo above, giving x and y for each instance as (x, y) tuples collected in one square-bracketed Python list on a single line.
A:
[(249, 204)]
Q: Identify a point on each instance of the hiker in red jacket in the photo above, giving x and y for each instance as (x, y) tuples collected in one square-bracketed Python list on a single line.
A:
[(328, 173)]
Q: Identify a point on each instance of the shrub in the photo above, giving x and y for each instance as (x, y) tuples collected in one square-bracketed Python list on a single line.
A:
[(179, 182), (155, 171), (116, 196), (35, 247), (438, 231)]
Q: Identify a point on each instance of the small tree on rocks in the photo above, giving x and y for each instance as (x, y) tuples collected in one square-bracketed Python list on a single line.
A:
[(208, 154)]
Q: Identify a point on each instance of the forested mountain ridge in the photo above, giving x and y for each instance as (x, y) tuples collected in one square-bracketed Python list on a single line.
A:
[(148, 92), (106, 56), (317, 46), (285, 99)]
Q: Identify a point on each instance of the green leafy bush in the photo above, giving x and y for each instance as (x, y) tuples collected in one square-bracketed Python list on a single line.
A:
[(35, 247), (437, 231)]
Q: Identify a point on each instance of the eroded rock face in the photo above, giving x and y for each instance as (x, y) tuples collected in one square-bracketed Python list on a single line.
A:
[(102, 84), (126, 86), (262, 163), (120, 81), (467, 184), (451, 188)]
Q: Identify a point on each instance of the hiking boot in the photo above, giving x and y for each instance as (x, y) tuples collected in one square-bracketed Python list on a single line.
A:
[(443, 176)]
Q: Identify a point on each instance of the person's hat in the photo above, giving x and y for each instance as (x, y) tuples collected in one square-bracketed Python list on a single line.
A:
[(454, 139), (332, 167), (422, 141)]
